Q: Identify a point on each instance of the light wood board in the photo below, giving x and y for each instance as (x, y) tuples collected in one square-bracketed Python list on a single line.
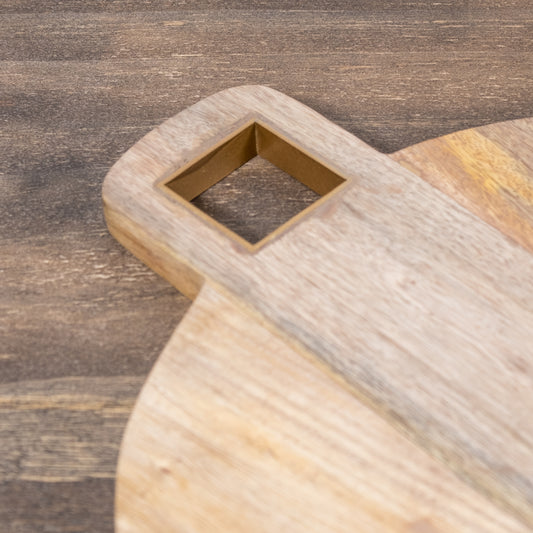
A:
[(488, 170), (81, 81), (414, 304), (236, 432)]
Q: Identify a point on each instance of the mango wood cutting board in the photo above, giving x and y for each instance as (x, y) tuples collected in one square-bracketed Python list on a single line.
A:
[(367, 367)]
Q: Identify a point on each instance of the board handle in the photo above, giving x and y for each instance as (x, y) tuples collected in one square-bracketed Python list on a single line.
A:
[(147, 193)]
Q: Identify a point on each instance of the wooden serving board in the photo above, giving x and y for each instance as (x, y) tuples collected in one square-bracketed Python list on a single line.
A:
[(367, 367), (488, 170)]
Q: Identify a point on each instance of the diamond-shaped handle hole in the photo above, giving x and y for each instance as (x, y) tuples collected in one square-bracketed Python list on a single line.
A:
[(254, 182)]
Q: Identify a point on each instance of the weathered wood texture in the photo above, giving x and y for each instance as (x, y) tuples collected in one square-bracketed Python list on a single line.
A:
[(488, 170), (80, 82), (385, 267), (236, 431)]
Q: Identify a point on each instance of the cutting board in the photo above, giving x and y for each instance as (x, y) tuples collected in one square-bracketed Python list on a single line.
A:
[(367, 366), (488, 170)]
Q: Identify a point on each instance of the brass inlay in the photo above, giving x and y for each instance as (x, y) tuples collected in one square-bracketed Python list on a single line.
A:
[(254, 140)]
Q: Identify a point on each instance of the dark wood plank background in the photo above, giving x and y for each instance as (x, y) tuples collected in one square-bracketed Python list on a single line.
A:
[(80, 81)]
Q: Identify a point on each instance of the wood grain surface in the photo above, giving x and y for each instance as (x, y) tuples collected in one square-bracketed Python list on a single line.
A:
[(237, 431), (80, 82), (404, 294), (488, 170)]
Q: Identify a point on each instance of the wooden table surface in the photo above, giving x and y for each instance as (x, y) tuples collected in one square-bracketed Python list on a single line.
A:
[(82, 321)]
